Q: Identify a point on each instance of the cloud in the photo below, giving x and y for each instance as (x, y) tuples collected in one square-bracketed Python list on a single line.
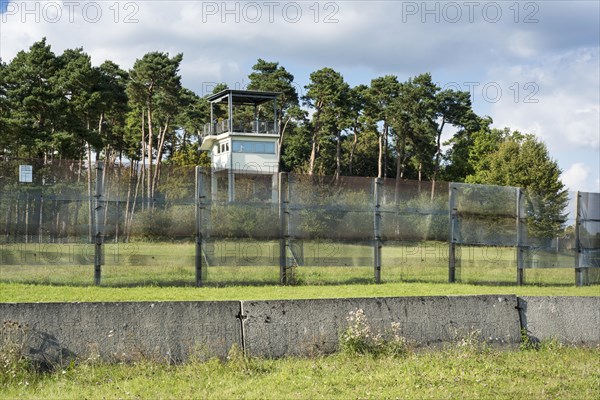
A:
[(557, 98), (577, 177)]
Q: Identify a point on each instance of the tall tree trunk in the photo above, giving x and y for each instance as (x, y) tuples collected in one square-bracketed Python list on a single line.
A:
[(420, 175), (380, 158), (338, 156), (161, 142), (281, 136), (353, 149), (80, 166), (401, 150), (315, 137), (90, 194), (106, 196), (142, 172), (150, 157), (385, 148), (438, 154), (140, 178), (402, 157), (127, 201)]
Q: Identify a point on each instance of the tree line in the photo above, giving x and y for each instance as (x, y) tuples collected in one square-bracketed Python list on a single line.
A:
[(61, 107)]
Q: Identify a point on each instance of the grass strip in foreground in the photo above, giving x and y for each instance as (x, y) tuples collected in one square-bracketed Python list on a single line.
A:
[(468, 372)]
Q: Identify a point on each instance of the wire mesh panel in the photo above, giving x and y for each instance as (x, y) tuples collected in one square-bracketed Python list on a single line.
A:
[(330, 225), (550, 246), (485, 232), (486, 264), (486, 215), (414, 211), (589, 235), (240, 228), (414, 230), (420, 261), (325, 207), (45, 229), (148, 225)]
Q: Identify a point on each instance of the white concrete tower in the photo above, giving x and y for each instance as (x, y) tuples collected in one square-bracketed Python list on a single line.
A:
[(240, 142)]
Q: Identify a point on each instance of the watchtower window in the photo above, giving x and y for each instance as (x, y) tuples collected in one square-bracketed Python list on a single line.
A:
[(247, 146), (222, 148)]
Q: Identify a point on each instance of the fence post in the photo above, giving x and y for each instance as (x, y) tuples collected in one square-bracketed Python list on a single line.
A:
[(283, 199), (97, 229), (377, 244), (452, 242), (581, 273), (520, 266), (41, 223), (198, 215)]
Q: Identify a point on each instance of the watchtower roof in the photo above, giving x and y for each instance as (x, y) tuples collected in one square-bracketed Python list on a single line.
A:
[(252, 97)]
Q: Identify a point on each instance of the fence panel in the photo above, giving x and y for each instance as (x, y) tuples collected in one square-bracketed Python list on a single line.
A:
[(240, 231), (550, 246), (229, 227), (414, 231), (330, 225), (148, 234), (46, 234), (484, 232)]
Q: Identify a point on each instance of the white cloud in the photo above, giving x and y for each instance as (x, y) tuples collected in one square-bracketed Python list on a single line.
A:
[(578, 177), (557, 99)]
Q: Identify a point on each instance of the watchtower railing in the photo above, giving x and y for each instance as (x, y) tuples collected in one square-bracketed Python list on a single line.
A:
[(254, 126)]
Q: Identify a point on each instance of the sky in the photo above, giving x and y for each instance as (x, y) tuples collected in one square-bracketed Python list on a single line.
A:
[(533, 66)]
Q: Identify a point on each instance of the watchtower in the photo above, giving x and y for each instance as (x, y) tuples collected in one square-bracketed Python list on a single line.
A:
[(242, 138)]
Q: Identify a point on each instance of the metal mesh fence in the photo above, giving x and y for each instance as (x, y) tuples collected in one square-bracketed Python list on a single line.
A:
[(45, 222), (548, 248), (240, 228), (148, 233), (414, 231), (329, 223), (414, 211), (184, 225), (588, 236)]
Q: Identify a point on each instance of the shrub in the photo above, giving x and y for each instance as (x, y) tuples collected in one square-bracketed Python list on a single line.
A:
[(151, 225), (359, 338)]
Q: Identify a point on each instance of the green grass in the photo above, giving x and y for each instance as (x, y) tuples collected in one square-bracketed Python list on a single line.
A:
[(250, 270), (18, 292), (468, 373)]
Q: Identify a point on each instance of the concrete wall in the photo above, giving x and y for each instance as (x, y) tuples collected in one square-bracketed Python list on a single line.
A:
[(127, 331), (176, 330), (571, 320), (297, 327)]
